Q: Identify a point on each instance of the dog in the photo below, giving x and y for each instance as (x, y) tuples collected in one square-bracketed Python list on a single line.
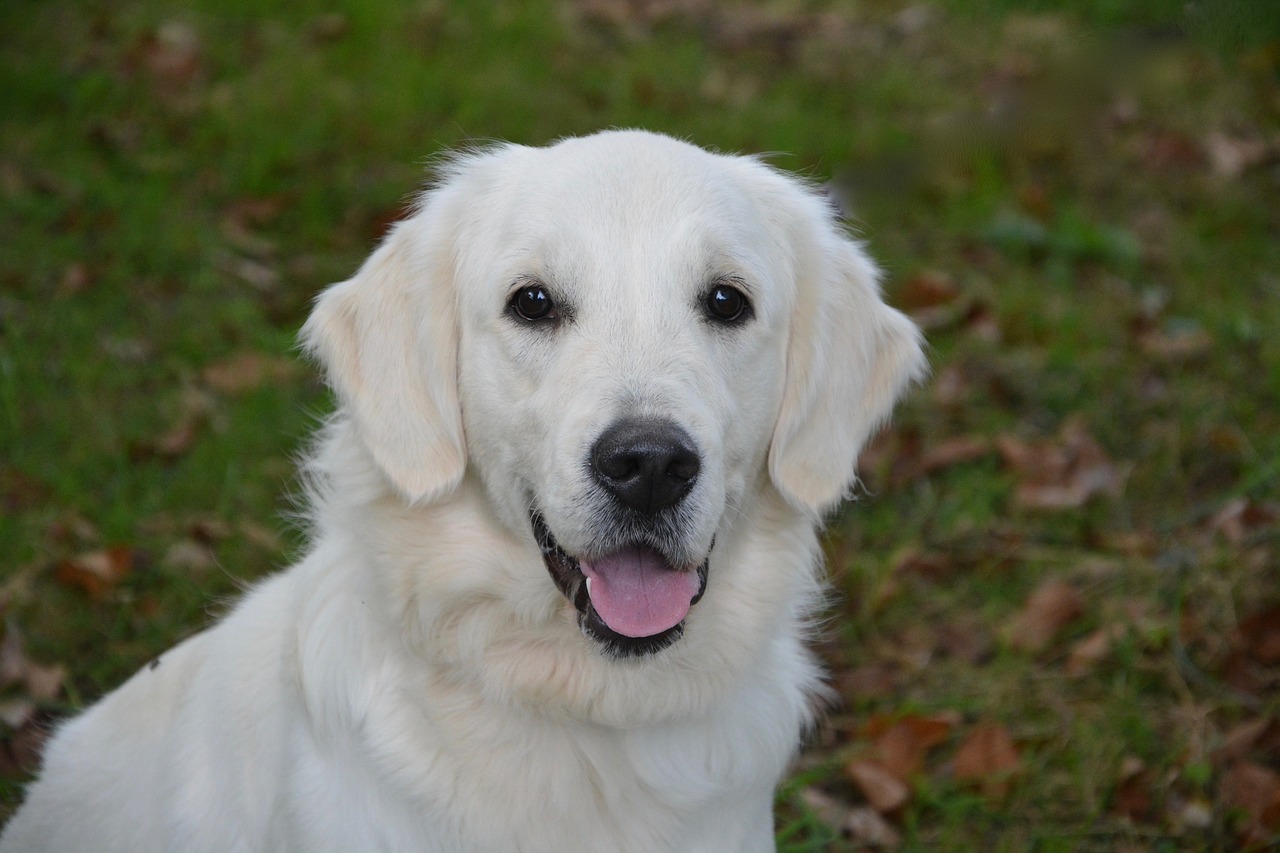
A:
[(594, 400)]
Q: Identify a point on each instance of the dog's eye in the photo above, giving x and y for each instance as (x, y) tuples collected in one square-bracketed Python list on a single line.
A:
[(533, 304), (726, 304)]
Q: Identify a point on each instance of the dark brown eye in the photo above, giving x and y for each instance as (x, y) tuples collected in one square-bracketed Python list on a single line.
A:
[(532, 303), (727, 304)]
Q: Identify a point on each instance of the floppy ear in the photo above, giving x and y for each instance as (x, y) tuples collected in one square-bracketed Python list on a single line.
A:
[(849, 357), (387, 339)]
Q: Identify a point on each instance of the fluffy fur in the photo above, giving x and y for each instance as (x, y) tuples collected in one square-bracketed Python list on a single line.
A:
[(418, 682)]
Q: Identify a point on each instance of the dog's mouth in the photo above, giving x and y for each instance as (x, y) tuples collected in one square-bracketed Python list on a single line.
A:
[(632, 601)]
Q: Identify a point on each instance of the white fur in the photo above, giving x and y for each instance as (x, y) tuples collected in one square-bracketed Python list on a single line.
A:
[(417, 682)]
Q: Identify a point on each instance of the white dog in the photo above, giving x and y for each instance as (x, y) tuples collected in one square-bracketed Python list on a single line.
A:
[(593, 402)]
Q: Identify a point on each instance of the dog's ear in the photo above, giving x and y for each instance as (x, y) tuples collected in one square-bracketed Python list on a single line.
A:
[(849, 357), (388, 341)]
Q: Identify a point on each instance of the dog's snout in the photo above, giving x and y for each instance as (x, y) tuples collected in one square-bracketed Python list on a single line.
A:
[(647, 465)]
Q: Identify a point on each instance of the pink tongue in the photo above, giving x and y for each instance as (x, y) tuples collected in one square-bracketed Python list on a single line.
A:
[(637, 594)]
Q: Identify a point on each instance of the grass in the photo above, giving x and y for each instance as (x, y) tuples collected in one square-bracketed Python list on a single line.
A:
[(179, 181)]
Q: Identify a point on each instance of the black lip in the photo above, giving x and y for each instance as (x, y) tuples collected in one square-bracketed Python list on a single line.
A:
[(568, 577)]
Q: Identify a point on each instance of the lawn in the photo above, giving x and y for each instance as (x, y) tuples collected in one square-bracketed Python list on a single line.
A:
[(1058, 620)]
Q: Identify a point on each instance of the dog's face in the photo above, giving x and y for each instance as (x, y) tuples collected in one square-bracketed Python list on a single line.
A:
[(626, 338)]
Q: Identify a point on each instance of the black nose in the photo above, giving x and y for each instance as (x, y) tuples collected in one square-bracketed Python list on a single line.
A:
[(646, 464)]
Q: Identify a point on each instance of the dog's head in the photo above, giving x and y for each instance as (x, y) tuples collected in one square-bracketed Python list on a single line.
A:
[(626, 339)]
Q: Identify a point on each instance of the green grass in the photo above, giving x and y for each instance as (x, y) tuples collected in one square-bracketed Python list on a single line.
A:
[(161, 213)]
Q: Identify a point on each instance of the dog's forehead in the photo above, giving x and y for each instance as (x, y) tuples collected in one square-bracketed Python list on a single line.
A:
[(622, 208)]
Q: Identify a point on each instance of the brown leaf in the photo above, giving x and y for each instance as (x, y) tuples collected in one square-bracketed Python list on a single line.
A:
[(859, 824), (97, 572), (1087, 652), (172, 55), (946, 454), (885, 792), (13, 656), (988, 758), (44, 683), (869, 681), (1061, 474), (1255, 737), (864, 825), (933, 565), (1175, 340), (900, 745), (19, 491), (247, 371), (1241, 518), (1132, 798), (1232, 156), (1050, 608), (1260, 635), (965, 640), (1253, 789)]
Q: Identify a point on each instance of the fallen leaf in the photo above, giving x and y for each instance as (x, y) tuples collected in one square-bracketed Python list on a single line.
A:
[(946, 454), (97, 572), (1241, 518), (1196, 815), (1087, 652), (988, 759), (869, 681), (1254, 790), (951, 386), (247, 371), (1061, 474), (171, 54), (1232, 156), (900, 745), (864, 825), (859, 824), (44, 683), (16, 713), (1257, 737), (1260, 635), (13, 657), (885, 792), (932, 565), (967, 641), (190, 556), (1132, 796), (927, 290), (1050, 608)]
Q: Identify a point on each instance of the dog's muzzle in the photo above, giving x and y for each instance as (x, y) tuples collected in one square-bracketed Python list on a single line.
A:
[(632, 601)]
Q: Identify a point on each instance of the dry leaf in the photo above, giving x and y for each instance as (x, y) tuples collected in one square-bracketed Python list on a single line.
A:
[(1231, 156), (1132, 798), (869, 681), (1062, 474), (864, 825), (1050, 608), (171, 55), (1257, 736), (988, 758), (247, 371), (1241, 518), (885, 792), (901, 744), (927, 289), (97, 572), (1260, 636), (1093, 648), (859, 824), (967, 641), (946, 454), (1255, 790)]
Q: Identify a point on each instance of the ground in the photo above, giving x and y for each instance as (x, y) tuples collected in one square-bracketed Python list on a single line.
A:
[(1058, 620)]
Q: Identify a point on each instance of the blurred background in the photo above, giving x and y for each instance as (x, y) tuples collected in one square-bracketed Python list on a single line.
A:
[(1058, 625)]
